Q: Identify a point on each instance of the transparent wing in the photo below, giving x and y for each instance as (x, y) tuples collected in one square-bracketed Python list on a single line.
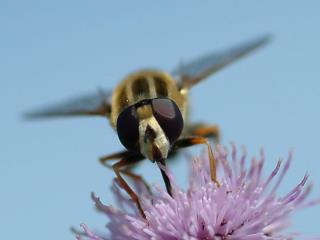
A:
[(97, 103), (194, 71)]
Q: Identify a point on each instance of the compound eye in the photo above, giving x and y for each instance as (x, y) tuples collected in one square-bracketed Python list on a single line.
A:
[(169, 117), (128, 128)]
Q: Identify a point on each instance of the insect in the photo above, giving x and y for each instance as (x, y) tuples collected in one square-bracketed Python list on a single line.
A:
[(149, 111)]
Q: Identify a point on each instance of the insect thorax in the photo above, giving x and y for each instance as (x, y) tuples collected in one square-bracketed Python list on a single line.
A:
[(146, 84)]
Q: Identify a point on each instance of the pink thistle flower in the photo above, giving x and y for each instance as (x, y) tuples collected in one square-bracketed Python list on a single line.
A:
[(245, 206)]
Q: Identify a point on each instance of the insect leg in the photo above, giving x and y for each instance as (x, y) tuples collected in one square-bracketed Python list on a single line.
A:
[(114, 156), (190, 141), (126, 171), (137, 177), (204, 130), (124, 162)]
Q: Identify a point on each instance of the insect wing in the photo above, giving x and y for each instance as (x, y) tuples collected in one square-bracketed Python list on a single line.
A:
[(194, 71), (97, 103)]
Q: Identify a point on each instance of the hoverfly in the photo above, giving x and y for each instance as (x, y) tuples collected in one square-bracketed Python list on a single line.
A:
[(148, 110)]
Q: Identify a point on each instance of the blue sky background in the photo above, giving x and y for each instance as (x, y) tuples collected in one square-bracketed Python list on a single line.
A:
[(54, 49)]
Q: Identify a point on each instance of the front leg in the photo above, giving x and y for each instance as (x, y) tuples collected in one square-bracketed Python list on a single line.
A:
[(204, 130), (123, 163), (127, 170), (191, 141)]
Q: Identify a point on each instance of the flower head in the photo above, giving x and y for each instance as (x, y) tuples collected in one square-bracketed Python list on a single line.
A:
[(245, 206)]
